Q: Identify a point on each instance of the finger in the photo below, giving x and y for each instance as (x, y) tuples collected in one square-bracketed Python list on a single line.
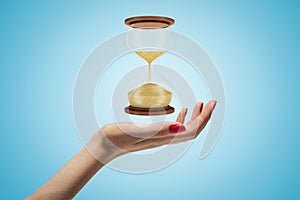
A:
[(191, 129), (197, 110), (205, 115), (167, 139), (194, 127), (181, 116), (165, 134), (158, 130)]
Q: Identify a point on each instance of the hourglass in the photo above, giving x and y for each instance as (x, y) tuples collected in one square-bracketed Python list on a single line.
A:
[(149, 98)]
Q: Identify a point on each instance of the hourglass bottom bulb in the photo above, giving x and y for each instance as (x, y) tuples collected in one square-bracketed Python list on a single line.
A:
[(149, 99)]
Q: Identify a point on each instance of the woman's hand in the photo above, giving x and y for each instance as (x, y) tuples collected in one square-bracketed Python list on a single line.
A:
[(117, 139)]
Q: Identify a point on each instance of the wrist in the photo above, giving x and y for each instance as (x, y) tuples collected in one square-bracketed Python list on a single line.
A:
[(101, 148)]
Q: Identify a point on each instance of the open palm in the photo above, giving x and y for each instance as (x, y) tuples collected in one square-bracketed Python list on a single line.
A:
[(124, 137)]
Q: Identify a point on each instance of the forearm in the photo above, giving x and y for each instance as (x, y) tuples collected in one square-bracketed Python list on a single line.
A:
[(67, 182)]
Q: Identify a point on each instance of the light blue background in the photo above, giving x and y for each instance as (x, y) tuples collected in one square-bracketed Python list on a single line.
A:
[(255, 46)]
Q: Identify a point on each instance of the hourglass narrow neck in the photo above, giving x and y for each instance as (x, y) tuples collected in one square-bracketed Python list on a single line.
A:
[(149, 73), (149, 57)]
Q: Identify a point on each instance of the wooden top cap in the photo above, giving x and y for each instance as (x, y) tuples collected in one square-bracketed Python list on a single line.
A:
[(149, 22)]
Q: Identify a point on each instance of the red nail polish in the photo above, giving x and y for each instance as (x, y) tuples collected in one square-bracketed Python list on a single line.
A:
[(176, 128)]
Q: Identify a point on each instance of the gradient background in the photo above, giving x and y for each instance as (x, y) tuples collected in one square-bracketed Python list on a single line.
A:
[(255, 46)]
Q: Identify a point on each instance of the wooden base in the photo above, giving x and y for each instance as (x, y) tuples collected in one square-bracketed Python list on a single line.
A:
[(149, 111)]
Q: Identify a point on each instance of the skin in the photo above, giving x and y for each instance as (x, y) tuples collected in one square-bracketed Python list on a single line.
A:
[(114, 140)]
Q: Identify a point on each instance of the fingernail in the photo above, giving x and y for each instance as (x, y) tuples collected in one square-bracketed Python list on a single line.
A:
[(176, 128)]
